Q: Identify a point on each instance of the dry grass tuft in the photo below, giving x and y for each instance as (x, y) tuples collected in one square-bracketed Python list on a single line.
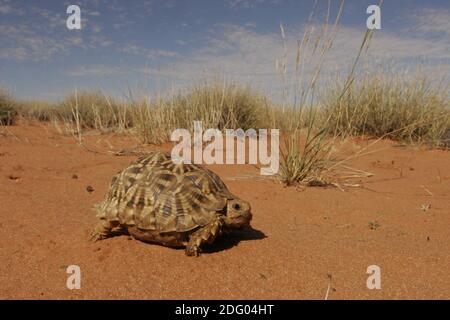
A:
[(217, 105), (8, 109), (406, 109), (304, 162), (94, 110)]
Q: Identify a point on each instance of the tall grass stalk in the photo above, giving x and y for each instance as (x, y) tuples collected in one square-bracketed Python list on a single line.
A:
[(305, 149)]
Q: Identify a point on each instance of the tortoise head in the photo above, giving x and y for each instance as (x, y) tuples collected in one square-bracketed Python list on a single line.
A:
[(238, 214)]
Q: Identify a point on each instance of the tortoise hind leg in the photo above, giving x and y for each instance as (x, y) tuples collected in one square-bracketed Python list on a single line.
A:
[(206, 234), (105, 229)]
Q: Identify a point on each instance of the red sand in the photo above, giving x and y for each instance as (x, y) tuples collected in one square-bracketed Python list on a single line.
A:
[(304, 234)]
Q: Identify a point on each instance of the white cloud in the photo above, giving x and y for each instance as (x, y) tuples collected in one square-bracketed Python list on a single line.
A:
[(98, 40), (95, 70), (24, 43), (93, 13), (154, 54), (242, 54), (148, 7), (5, 9), (96, 29), (43, 35), (433, 20), (148, 53), (237, 52), (386, 45), (244, 3)]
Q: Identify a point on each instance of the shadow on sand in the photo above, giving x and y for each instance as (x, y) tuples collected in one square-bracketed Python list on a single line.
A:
[(224, 242), (227, 241)]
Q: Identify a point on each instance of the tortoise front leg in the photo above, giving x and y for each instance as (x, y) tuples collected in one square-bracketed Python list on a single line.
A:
[(206, 234), (105, 229)]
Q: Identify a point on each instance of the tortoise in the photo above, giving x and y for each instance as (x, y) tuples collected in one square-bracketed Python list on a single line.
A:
[(160, 201)]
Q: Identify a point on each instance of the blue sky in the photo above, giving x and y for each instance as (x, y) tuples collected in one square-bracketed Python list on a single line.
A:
[(153, 46)]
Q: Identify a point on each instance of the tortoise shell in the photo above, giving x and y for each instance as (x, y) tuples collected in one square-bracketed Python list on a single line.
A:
[(154, 193)]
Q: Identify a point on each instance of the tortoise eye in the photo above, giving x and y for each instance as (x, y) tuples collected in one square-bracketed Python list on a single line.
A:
[(236, 206)]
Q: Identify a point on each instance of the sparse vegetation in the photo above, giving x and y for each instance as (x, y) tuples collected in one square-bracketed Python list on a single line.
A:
[(305, 162), (93, 109), (39, 110), (409, 110), (406, 109), (8, 111), (217, 105)]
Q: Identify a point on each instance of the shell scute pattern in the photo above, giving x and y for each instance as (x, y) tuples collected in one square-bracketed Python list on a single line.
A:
[(154, 193)]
